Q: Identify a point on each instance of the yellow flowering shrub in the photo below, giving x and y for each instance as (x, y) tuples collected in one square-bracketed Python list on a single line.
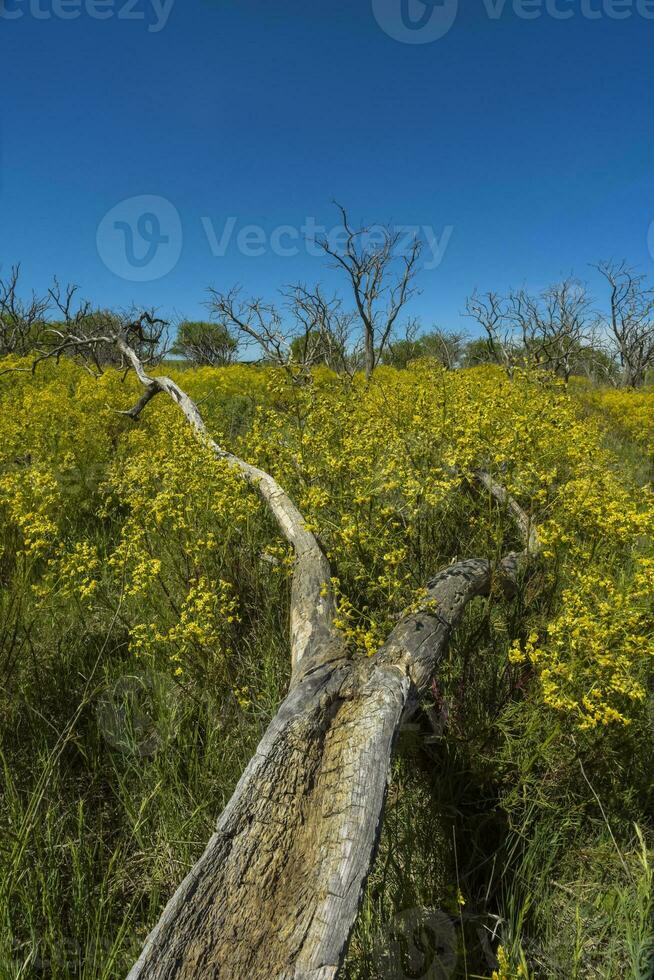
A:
[(116, 520), (207, 608), (591, 654), (72, 574), (29, 497), (141, 518), (629, 410)]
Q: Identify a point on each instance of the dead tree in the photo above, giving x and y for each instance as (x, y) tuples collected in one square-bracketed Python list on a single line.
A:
[(548, 331), (381, 279), (88, 335), (324, 329), (311, 328), (277, 890), (567, 324), (554, 327), (21, 321), (491, 313), (630, 323), (308, 329), (254, 321)]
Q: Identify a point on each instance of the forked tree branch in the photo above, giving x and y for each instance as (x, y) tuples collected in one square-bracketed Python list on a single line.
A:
[(277, 890), (314, 637)]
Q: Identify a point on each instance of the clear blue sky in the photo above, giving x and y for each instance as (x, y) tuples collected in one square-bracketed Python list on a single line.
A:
[(532, 139)]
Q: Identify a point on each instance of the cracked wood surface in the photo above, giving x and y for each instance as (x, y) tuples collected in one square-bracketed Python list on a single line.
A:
[(278, 887), (276, 892)]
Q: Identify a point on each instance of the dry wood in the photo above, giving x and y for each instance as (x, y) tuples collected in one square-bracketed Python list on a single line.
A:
[(314, 638), (276, 892)]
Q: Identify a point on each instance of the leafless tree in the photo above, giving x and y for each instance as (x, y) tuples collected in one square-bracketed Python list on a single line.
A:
[(547, 331), (306, 328), (630, 322), (255, 321), (309, 327), (525, 325), (555, 326), (21, 321), (90, 336), (381, 279), (276, 892), (278, 887), (76, 323), (323, 331), (491, 312)]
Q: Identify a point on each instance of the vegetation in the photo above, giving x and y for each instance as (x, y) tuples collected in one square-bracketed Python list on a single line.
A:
[(559, 331), (205, 344), (460, 534), (144, 649)]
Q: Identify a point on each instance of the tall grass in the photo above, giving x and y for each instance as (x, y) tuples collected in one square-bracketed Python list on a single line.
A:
[(500, 826)]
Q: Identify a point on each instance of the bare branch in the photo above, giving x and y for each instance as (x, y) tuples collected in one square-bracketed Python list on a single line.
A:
[(314, 638), (21, 321), (253, 320), (630, 323), (490, 312), (380, 292), (323, 329), (277, 889), (549, 331)]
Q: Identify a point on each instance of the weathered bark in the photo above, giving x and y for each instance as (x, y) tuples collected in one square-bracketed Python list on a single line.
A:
[(276, 892), (314, 638), (277, 889)]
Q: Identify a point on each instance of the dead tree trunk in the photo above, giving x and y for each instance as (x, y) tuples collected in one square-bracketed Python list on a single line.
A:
[(276, 892)]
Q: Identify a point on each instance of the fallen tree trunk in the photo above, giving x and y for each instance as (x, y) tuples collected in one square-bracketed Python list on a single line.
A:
[(276, 892)]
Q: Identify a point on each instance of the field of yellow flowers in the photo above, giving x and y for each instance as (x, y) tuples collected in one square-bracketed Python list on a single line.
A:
[(143, 650)]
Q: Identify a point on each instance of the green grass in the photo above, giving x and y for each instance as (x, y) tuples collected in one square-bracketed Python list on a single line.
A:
[(113, 774)]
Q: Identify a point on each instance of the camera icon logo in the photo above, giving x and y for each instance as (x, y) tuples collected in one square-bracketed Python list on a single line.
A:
[(140, 239)]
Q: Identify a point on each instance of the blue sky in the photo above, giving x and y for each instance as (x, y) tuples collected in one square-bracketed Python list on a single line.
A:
[(530, 139)]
